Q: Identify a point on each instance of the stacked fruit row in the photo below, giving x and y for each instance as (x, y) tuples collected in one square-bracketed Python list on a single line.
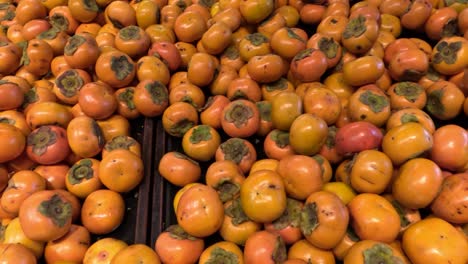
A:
[(310, 131)]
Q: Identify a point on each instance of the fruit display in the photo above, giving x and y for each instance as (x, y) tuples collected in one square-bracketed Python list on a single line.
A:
[(234, 131)]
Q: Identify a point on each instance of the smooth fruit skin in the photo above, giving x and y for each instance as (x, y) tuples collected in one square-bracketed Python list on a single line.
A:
[(46, 215), (406, 141), (421, 176), (451, 202), (285, 107), (374, 218), (16, 253), (263, 196), (450, 149), (357, 136), (200, 211), (103, 250), (307, 134), (433, 240), (13, 140)]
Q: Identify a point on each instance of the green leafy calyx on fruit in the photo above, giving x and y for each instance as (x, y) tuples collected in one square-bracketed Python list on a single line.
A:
[(234, 149), (41, 139), (58, 210), (121, 66), (380, 254), (69, 83), (158, 92), (238, 114), (309, 218), (200, 133), (234, 210), (120, 142), (355, 27), (375, 102), (221, 255), (73, 44), (81, 171)]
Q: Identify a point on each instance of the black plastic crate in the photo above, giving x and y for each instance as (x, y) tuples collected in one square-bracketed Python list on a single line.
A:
[(134, 228)]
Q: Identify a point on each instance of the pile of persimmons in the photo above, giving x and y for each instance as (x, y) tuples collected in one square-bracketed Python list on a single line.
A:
[(311, 131)]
